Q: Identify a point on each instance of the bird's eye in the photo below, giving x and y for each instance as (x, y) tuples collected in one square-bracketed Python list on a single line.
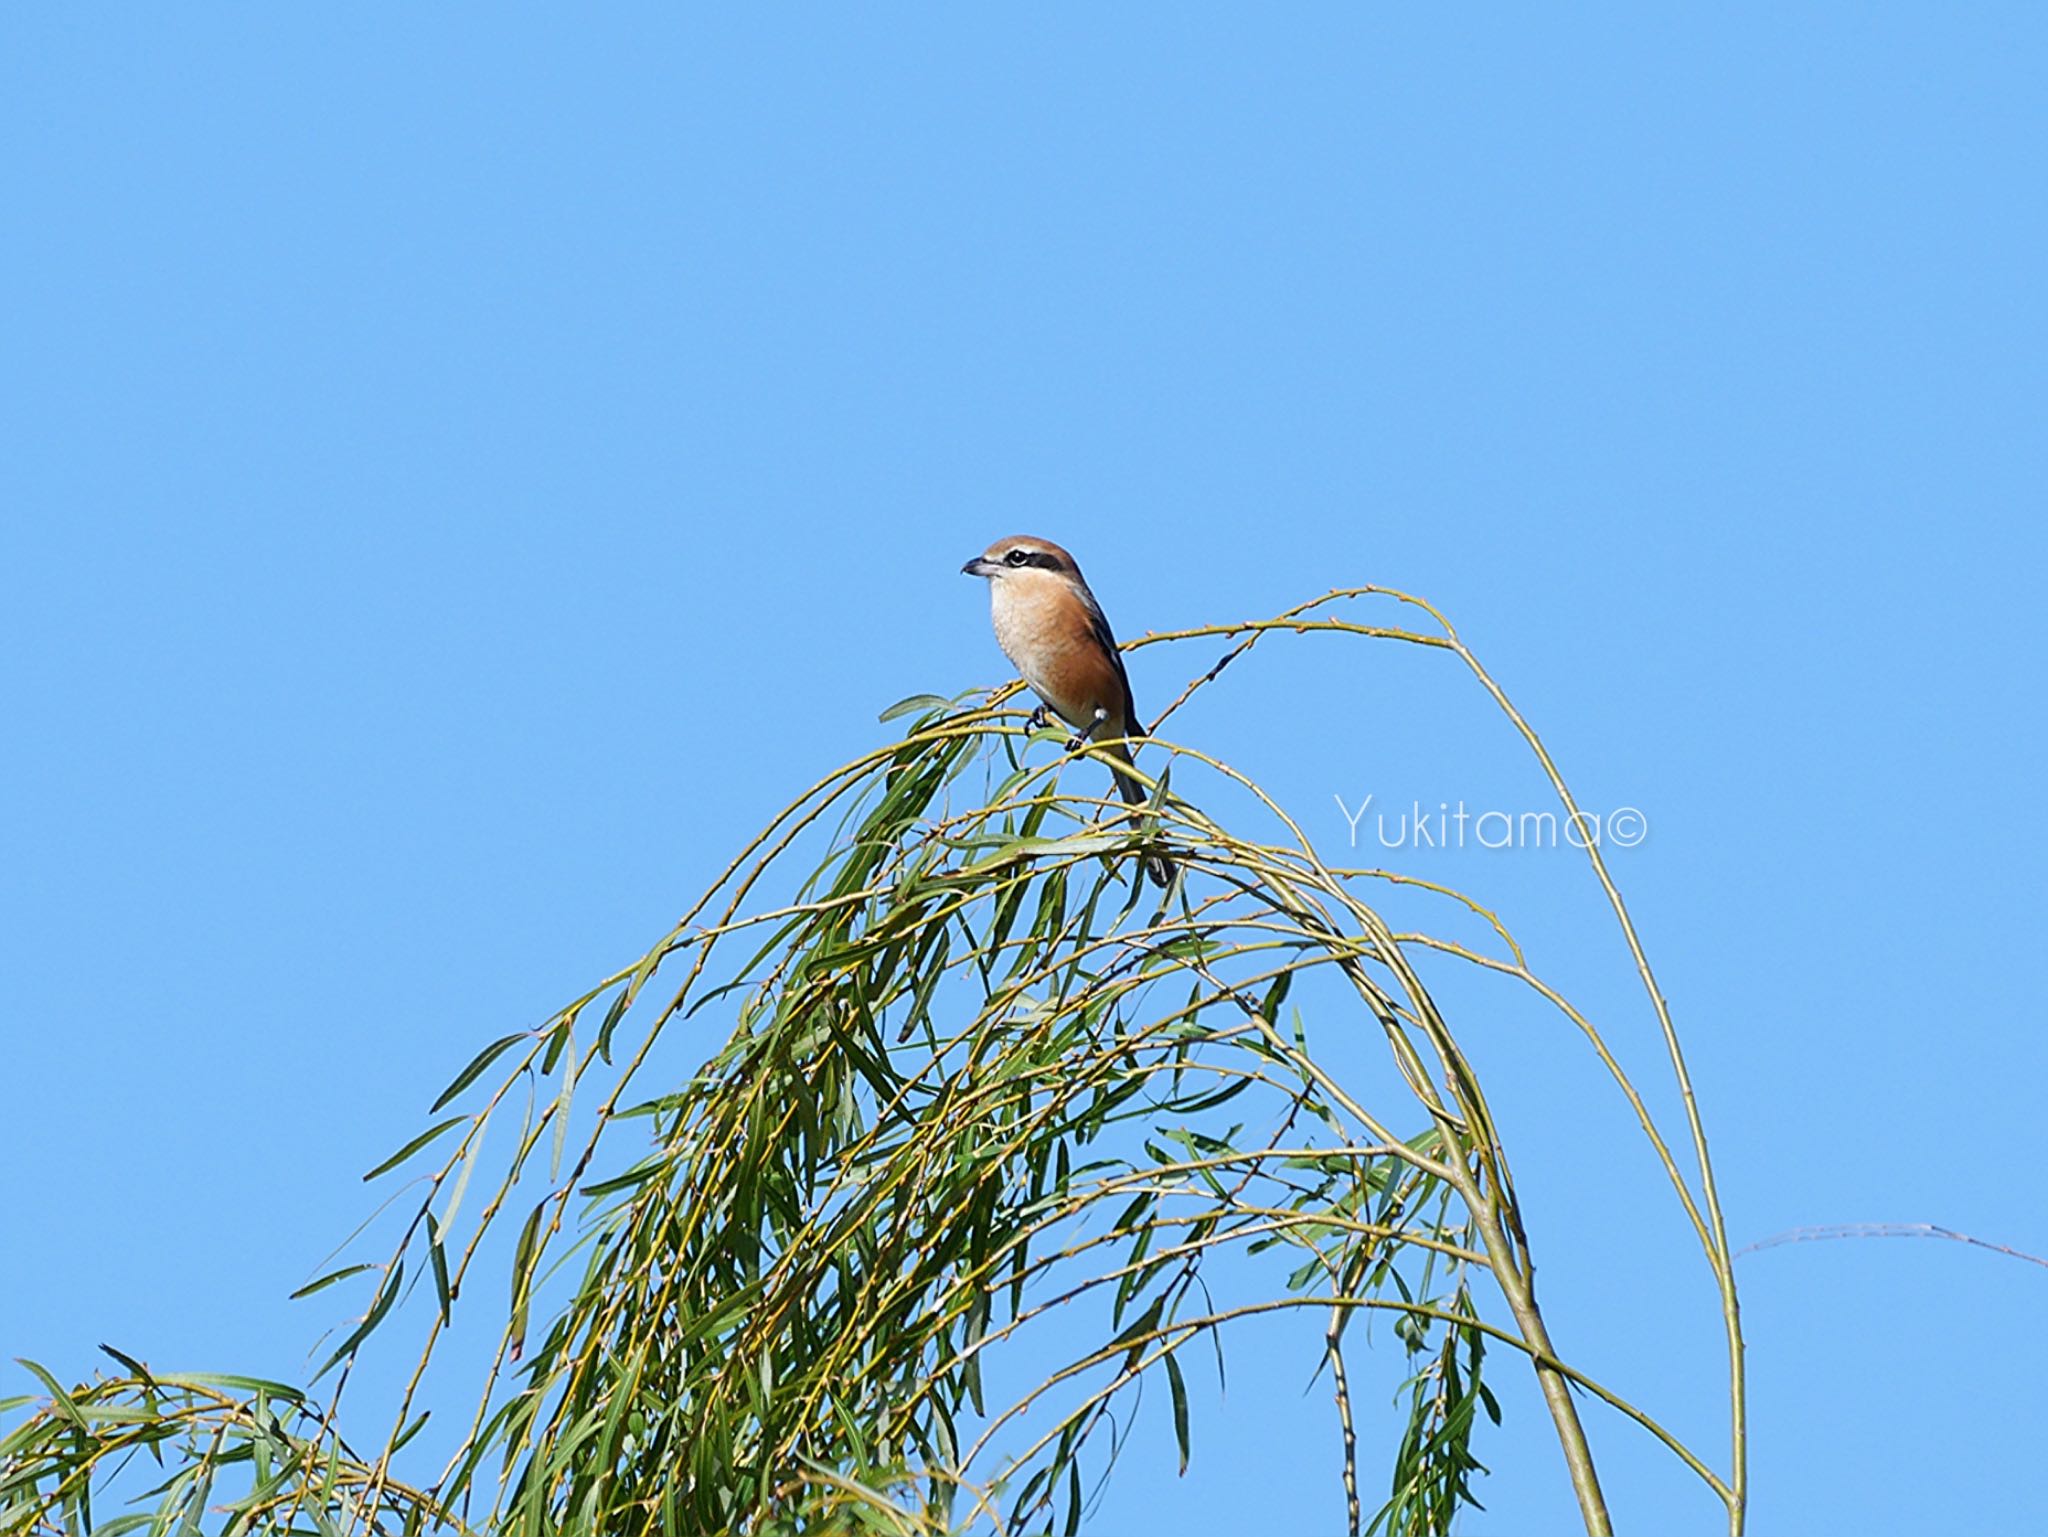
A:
[(1018, 557)]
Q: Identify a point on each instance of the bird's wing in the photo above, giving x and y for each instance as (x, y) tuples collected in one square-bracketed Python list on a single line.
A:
[(1098, 623)]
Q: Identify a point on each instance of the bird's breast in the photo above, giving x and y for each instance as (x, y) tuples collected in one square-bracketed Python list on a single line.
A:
[(1027, 626), (1044, 630)]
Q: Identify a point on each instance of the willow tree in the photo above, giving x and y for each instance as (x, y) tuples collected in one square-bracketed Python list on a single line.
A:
[(997, 1135)]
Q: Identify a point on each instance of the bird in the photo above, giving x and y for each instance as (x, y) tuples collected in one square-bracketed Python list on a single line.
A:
[(1055, 634)]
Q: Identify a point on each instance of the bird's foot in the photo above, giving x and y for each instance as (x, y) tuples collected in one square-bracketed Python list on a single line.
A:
[(1080, 740), (1039, 719)]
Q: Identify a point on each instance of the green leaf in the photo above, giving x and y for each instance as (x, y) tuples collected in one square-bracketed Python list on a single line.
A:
[(641, 1172), (1179, 1390), (414, 1146), (362, 1331), (438, 1259), (1269, 1006), (324, 1281), (612, 1016), (135, 1368), (239, 1384), (482, 1060), (522, 1277), (903, 707), (1140, 1329), (561, 1037), (462, 1174), (562, 1102), (58, 1396)]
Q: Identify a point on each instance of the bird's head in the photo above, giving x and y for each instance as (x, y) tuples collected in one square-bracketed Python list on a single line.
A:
[(1023, 556)]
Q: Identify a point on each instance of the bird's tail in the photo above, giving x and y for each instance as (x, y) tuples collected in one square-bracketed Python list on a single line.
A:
[(1157, 866)]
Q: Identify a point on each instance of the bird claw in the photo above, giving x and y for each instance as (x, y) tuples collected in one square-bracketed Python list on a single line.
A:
[(1041, 718), (1080, 739)]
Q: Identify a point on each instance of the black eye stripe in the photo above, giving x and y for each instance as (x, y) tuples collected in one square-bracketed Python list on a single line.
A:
[(1032, 558)]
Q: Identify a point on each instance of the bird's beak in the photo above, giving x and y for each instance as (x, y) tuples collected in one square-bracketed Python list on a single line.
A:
[(979, 566)]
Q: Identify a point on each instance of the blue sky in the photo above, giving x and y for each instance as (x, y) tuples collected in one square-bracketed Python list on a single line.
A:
[(466, 468)]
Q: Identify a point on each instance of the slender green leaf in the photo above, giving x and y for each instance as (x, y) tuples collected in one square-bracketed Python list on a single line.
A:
[(1179, 1391), (478, 1063), (414, 1146), (915, 702)]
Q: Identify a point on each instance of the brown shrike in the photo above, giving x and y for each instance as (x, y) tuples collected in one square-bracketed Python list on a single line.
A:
[(1053, 631)]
